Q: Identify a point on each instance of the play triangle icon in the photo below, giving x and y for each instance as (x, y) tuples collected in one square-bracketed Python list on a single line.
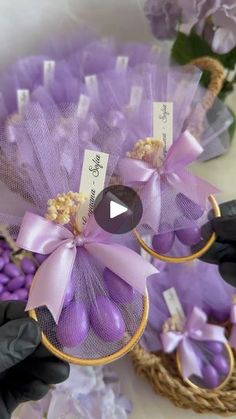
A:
[(117, 209)]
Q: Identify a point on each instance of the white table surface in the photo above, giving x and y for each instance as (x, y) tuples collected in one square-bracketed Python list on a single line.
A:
[(23, 24)]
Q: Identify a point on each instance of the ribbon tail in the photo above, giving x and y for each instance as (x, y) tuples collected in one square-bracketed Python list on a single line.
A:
[(135, 272), (150, 195), (51, 280), (189, 361)]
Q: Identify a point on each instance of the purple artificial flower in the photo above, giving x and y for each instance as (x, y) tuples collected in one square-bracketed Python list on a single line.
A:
[(164, 16)]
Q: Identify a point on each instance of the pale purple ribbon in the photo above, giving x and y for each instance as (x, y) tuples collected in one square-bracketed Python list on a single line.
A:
[(51, 280), (195, 329), (183, 151), (232, 339)]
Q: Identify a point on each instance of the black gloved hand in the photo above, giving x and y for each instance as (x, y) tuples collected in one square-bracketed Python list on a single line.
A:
[(223, 251), (26, 367)]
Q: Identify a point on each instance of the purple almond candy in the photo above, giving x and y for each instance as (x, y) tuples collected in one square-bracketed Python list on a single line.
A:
[(22, 294), (11, 270), (210, 376), (4, 279), (14, 297), (1, 288), (6, 256), (5, 296), (70, 292), (2, 263), (189, 236), (16, 283), (118, 289), (221, 364), (162, 243), (215, 347), (28, 266), (73, 326), (1, 250), (28, 281), (189, 209), (106, 320)]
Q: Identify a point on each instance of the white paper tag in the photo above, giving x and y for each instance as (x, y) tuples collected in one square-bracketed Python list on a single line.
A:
[(92, 183), (135, 96), (83, 106), (122, 63), (163, 123), (92, 85), (173, 303), (48, 71), (23, 97)]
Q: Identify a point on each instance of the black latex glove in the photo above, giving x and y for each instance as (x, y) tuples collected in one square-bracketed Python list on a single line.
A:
[(26, 367), (223, 251)]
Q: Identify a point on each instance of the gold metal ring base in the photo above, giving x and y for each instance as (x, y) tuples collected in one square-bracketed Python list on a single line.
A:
[(220, 386), (182, 259), (99, 361)]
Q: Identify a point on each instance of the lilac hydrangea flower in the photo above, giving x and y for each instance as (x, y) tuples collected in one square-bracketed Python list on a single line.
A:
[(215, 20)]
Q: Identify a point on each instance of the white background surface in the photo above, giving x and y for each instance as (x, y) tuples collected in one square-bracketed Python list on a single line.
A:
[(23, 24)]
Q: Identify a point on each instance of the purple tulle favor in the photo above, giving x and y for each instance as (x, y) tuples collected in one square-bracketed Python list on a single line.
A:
[(197, 284)]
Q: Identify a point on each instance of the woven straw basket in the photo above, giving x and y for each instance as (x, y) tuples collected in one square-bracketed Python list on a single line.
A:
[(161, 369)]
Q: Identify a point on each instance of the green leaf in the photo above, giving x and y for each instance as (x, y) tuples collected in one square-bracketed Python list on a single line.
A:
[(188, 47), (232, 127)]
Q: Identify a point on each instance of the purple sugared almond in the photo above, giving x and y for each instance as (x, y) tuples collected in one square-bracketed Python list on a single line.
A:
[(73, 326), (16, 283), (189, 236), (118, 289), (28, 266), (4, 279), (211, 377), (215, 347), (163, 242), (11, 270), (221, 364), (106, 320)]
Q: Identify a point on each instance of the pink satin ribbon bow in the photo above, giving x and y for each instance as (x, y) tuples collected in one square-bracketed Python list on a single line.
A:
[(183, 151), (195, 329), (51, 280), (232, 339)]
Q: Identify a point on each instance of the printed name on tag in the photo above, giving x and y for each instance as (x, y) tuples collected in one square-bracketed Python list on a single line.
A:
[(173, 303), (83, 106), (92, 85), (23, 96), (163, 123), (122, 63), (48, 71), (135, 96), (92, 183)]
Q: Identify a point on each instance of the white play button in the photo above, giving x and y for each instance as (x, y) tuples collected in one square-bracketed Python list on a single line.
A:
[(117, 209)]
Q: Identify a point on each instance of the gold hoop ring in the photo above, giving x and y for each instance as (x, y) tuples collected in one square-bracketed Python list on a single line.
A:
[(224, 382), (99, 361), (182, 259)]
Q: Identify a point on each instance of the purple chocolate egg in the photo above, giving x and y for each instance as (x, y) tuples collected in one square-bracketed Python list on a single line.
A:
[(215, 347), (5, 296), (28, 266), (210, 376), (2, 263), (73, 326), (221, 364), (189, 209), (28, 281), (189, 236), (16, 283), (3, 279), (11, 270), (22, 294), (118, 289), (162, 243), (106, 320)]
